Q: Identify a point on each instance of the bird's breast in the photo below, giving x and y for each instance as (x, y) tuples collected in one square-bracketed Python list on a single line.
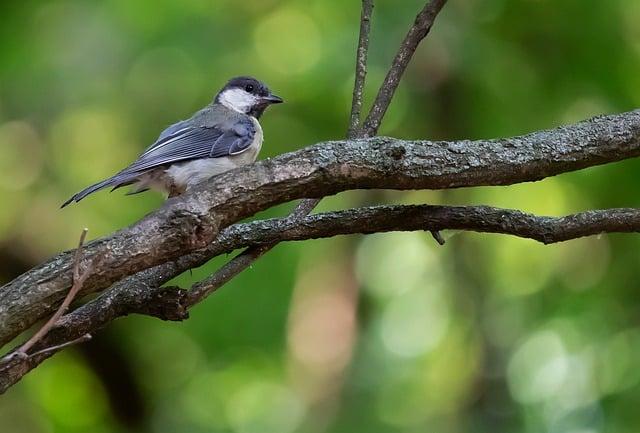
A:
[(257, 140)]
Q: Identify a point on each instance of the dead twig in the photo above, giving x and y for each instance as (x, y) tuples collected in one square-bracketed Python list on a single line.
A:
[(78, 280), (82, 339)]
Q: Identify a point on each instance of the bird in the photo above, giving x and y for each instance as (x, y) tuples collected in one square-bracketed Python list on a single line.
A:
[(224, 135)]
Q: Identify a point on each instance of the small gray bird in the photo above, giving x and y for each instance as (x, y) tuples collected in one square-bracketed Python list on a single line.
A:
[(224, 135)]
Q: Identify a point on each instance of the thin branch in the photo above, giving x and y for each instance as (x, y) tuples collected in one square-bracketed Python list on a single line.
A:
[(78, 280), (361, 69), (239, 263), (486, 219), (49, 350), (420, 28)]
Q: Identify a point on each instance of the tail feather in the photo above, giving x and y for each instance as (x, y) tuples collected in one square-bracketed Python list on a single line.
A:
[(89, 190), (116, 181)]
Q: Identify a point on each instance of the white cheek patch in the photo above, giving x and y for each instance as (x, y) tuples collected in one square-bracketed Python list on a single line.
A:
[(238, 100)]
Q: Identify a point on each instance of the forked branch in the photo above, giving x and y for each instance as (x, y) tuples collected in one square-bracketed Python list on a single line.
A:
[(143, 294)]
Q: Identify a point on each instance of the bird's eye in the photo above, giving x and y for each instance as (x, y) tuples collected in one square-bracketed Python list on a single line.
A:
[(249, 88)]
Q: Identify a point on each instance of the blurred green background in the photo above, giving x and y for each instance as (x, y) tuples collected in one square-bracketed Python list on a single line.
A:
[(388, 333)]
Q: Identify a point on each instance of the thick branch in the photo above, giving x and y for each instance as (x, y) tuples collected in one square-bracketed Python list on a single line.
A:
[(192, 221), (142, 293), (418, 31)]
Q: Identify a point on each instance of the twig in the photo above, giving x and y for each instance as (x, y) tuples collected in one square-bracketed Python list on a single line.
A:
[(485, 219), (438, 237), (223, 275), (420, 28), (78, 280), (361, 68), (47, 350)]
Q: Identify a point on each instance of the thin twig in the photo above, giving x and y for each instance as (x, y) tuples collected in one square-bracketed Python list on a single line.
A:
[(486, 219), (420, 28), (361, 68), (78, 280), (82, 339), (223, 275)]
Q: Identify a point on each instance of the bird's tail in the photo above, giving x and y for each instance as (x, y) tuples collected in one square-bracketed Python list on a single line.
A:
[(116, 181), (89, 190)]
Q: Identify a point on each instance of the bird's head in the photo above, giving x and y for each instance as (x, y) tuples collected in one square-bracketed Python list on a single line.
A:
[(246, 95)]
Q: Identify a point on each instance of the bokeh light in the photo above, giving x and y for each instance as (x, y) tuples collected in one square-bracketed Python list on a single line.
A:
[(288, 41)]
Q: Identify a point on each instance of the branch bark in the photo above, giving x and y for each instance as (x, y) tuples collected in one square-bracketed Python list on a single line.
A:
[(143, 294), (189, 223), (361, 69)]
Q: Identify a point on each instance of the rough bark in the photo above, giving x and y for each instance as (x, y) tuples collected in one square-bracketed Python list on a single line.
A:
[(361, 69), (192, 221), (143, 294)]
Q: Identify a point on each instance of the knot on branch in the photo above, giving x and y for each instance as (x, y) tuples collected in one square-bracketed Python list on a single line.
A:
[(196, 230), (397, 152), (168, 303)]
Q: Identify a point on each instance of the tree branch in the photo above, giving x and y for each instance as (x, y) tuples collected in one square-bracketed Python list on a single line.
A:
[(190, 222), (420, 28), (361, 69), (142, 293), (78, 280)]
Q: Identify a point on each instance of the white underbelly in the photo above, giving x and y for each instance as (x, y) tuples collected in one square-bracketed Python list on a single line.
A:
[(184, 175)]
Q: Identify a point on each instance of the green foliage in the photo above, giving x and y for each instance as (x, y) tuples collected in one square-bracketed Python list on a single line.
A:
[(389, 333)]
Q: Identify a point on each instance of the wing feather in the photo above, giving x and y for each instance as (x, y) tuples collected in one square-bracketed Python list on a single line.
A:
[(195, 142)]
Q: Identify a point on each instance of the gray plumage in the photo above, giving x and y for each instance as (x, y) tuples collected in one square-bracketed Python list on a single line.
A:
[(223, 135)]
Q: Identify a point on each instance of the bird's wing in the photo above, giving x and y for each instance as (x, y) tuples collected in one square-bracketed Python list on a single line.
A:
[(181, 142)]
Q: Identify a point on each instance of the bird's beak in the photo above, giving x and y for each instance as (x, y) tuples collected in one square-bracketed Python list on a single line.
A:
[(272, 99)]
